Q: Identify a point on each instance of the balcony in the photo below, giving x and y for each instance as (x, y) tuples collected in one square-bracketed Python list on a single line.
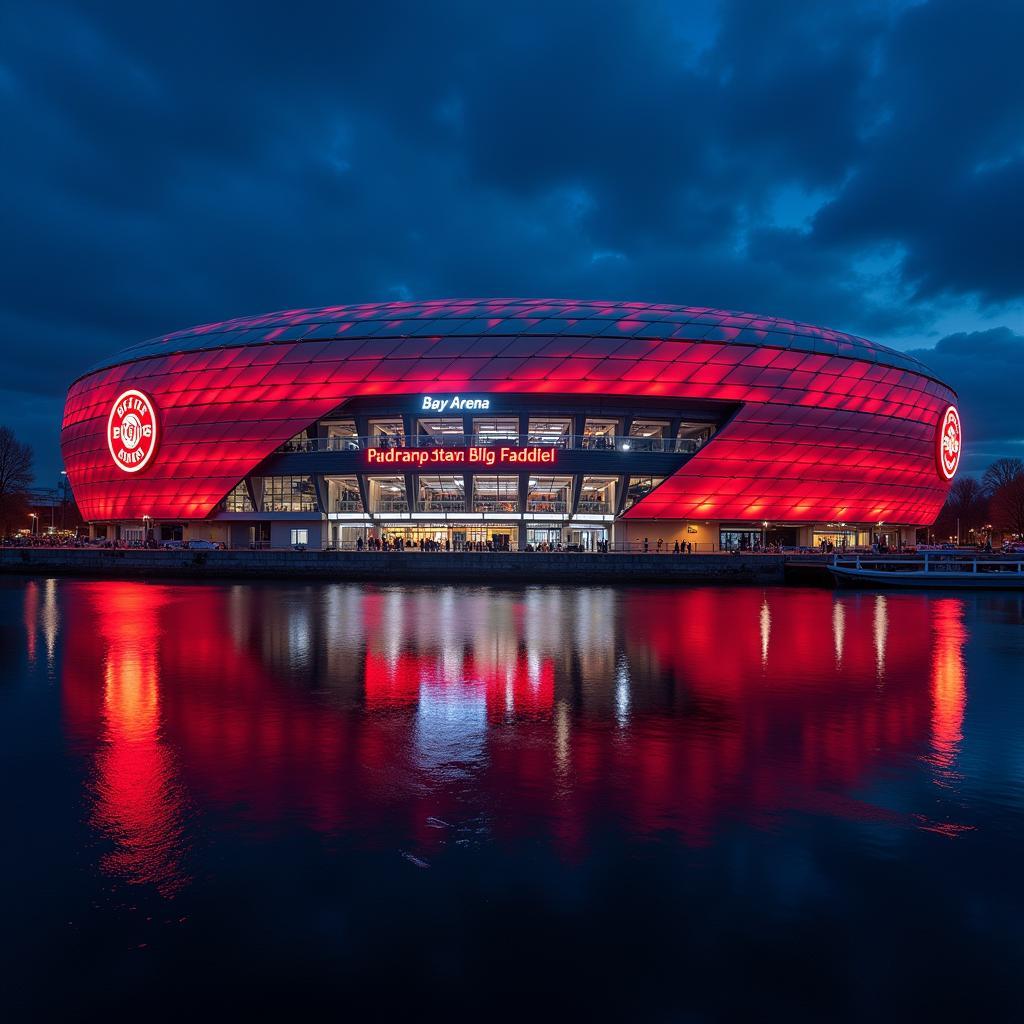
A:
[(665, 445), (443, 505), (496, 506)]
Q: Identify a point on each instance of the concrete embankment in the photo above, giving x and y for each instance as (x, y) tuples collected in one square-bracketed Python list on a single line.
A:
[(463, 567)]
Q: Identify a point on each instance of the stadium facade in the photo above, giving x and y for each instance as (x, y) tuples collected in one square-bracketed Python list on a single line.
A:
[(514, 423)]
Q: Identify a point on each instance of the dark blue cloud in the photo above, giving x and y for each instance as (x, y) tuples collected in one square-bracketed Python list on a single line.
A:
[(857, 165)]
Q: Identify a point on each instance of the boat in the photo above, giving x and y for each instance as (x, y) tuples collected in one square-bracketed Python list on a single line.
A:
[(944, 570)]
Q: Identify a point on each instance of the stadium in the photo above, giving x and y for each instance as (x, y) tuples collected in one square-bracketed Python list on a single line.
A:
[(512, 424)]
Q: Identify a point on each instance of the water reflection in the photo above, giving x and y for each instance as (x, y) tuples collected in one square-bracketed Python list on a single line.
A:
[(535, 713), (949, 686), (117, 642)]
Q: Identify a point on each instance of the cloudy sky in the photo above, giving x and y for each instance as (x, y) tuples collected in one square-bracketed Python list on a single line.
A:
[(854, 164)]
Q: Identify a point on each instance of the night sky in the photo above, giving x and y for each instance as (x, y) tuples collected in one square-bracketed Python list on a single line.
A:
[(855, 165)]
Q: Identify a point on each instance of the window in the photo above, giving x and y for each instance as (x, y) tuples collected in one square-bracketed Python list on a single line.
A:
[(343, 494), (238, 499), (341, 435), (301, 442), (387, 494), (692, 436), (649, 436), (739, 540), (639, 487), (495, 493), (440, 432), (599, 433), (442, 494), (387, 433), (494, 430), (598, 495), (289, 494), (300, 537), (549, 494), (555, 431)]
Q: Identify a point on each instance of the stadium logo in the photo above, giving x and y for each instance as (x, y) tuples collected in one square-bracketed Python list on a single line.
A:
[(131, 431), (948, 449)]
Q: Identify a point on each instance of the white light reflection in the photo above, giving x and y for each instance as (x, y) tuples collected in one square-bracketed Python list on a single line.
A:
[(766, 631), (562, 736), (881, 634), (622, 695), (51, 621), (451, 726), (839, 630)]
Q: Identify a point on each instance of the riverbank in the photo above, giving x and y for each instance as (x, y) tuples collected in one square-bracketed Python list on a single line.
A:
[(472, 567)]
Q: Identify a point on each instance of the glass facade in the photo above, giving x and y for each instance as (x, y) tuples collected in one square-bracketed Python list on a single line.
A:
[(598, 495), (442, 494), (289, 494), (640, 486), (387, 494), (343, 494), (549, 494), (495, 493), (238, 499)]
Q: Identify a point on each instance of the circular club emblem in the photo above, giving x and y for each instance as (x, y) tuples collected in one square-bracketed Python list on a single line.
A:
[(131, 431), (947, 452)]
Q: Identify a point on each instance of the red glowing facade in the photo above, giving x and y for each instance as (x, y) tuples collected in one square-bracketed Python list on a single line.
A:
[(823, 426)]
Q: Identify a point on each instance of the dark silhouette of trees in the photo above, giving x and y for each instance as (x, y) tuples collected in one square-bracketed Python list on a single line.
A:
[(966, 507), (1002, 471), (1006, 502), (15, 479)]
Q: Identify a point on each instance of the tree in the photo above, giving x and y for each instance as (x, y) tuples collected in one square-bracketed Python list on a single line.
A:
[(15, 478), (1002, 471), (966, 508), (1007, 505)]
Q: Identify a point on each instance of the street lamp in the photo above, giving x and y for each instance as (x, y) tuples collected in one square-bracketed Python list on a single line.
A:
[(63, 499), (35, 522)]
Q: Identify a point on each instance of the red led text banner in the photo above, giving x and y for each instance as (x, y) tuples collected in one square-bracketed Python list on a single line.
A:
[(477, 456)]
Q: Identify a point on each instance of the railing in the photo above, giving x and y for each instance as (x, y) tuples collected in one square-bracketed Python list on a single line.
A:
[(443, 505), (392, 506), (495, 506), (594, 506), (547, 506), (349, 506), (568, 442), (932, 561)]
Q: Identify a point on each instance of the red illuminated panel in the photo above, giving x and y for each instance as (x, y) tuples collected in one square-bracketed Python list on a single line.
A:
[(831, 426)]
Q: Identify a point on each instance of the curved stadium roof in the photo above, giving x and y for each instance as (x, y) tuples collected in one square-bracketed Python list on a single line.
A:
[(515, 318)]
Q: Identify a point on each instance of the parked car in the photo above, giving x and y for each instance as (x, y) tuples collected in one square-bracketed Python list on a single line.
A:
[(204, 545)]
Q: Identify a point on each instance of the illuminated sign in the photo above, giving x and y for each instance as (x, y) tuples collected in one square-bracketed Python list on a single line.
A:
[(481, 455), (132, 431), (454, 403), (947, 451)]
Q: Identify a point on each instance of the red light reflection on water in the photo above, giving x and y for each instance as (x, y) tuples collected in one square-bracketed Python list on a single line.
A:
[(949, 686), (115, 649), (545, 712)]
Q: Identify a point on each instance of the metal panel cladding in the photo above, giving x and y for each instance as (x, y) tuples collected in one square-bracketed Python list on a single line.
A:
[(832, 427)]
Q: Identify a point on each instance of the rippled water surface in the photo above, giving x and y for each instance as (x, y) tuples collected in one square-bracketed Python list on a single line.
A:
[(636, 804)]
